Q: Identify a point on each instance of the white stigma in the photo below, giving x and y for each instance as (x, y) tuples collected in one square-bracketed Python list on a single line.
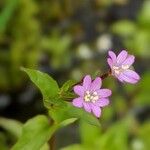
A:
[(117, 70), (91, 96), (125, 67)]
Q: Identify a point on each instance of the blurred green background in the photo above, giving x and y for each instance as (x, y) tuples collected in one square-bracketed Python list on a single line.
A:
[(68, 39)]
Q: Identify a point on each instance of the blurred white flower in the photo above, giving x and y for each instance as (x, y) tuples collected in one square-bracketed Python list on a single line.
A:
[(104, 43), (137, 145), (84, 52)]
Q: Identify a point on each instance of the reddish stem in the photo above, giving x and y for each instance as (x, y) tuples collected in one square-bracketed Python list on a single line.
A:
[(105, 75), (52, 142)]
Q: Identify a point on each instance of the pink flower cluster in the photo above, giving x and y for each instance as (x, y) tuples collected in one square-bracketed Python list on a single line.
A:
[(90, 95)]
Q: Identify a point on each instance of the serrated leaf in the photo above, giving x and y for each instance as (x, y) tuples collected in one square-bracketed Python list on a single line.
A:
[(35, 133), (47, 85), (61, 114)]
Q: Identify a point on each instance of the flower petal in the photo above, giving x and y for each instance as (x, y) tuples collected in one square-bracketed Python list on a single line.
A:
[(87, 107), (78, 102), (79, 90), (128, 79), (112, 56), (122, 56), (132, 74), (119, 78), (96, 84), (104, 92), (102, 102), (129, 61), (110, 62), (87, 82), (96, 110)]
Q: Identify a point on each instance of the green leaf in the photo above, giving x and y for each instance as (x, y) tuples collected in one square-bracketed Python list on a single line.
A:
[(60, 114), (144, 15), (7, 13), (50, 90), (66, 90), (47, 85), (67, 122), (143, 134), (139, 43), (58, 47), (12, 126), (44, 82), (35, 133), (143, 88), (124, 28), (115, 138), (4, 141), (45, 147), (67, 85), (88, 138)]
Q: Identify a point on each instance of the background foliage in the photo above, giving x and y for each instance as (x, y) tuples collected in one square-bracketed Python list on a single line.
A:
[(68, 39)]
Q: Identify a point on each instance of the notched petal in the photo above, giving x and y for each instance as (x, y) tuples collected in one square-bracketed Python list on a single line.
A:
[(96, 84), (87, 81), (112, 55), (122, 56), (104, 92), (110, 62), (102, 102), (78, 102), (96, 111), (79, 90)]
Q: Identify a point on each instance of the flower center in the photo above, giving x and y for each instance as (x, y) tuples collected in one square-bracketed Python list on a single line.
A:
[(117, 70), (91, 96)]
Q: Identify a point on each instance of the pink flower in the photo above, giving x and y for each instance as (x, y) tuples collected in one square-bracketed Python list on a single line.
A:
[(91, 97), (121, 67)]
